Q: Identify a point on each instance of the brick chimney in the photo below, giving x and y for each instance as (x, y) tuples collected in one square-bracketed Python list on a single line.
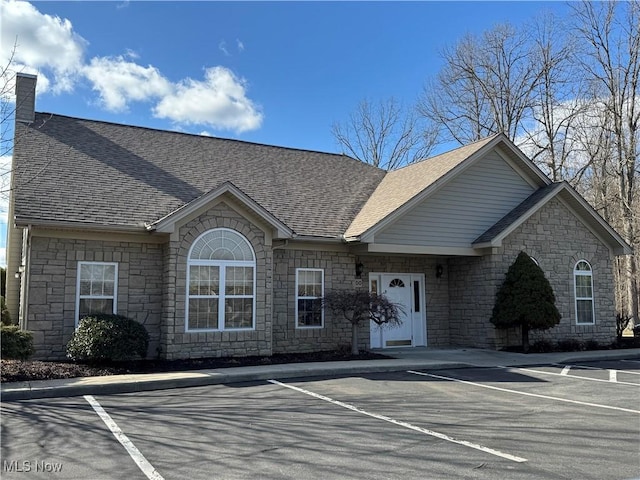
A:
[(25, 97)]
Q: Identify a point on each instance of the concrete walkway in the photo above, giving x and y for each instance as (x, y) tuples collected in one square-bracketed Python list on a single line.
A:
[(403, 359)]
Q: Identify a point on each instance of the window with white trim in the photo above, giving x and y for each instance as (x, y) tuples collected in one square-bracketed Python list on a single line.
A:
[(309, 292), (97, 288), (583, 286), (220, 282)]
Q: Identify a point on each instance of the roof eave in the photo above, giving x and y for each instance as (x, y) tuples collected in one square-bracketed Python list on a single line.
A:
[(23, 221)]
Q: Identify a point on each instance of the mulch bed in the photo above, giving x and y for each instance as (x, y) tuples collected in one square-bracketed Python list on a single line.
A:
[(29, 370)]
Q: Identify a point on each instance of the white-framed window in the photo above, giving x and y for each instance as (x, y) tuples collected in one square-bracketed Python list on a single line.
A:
[(583, 287), (221, 282), (97, 288), (309, 292)]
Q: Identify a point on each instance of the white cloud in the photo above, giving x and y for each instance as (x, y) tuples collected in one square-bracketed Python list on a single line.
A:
[(41, 42), (3, 257), (49, 47), (219, 101), (119, 81)]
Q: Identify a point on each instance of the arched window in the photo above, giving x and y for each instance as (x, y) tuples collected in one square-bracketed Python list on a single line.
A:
[(221, 276), (583, 283)]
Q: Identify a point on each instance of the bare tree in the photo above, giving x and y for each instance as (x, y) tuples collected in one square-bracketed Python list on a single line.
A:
[(359, 306), (487, 86), (611, 60), (384, 134), (557, 103), (7, 111)]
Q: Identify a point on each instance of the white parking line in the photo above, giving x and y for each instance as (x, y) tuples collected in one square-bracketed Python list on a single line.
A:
[(143, 464), (572, 376), (491, 387), (403, 424), (613, 376), (565, 370), (588, 367)]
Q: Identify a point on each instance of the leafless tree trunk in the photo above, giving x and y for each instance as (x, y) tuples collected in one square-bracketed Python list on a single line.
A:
[(487, 86), (383, 134), (557, 103), (611, 60)]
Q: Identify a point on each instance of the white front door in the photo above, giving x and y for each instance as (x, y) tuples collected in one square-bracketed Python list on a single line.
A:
[(406, 291)]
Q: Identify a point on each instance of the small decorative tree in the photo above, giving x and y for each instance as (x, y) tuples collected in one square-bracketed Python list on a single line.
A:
[(525, 299), (358, 306)]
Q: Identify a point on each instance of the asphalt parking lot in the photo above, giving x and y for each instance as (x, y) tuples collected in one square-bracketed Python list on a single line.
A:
[(579, 421)]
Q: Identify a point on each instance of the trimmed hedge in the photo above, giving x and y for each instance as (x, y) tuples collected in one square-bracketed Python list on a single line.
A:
[(16, 344), (108, 338)]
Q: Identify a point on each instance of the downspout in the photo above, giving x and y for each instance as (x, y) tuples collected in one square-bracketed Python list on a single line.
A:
[(25, 276)]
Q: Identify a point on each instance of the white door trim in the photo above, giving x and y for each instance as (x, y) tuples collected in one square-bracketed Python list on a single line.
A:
[(417, 318)]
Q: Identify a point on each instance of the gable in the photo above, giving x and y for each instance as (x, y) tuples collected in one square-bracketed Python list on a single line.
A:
[(456, 214)]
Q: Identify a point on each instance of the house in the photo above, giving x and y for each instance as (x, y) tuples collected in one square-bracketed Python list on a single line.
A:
[(219, 247)]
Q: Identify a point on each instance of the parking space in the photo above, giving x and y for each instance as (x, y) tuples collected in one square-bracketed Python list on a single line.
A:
[(517, 423)]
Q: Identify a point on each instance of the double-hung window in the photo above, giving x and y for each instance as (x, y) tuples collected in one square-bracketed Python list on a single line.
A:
[(583, 284), (220, 282), (309, 292), (97, 288)]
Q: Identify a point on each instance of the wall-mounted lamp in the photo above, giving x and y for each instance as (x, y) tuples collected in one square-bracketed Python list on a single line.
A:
[(439, 270), (359, 269)]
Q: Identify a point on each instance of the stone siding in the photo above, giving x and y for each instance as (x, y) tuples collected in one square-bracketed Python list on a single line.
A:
[(557, 240), (176, 342), (53, 282), (339, 273)]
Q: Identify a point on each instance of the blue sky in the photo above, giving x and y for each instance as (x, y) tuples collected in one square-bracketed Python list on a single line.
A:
[(270, 72)]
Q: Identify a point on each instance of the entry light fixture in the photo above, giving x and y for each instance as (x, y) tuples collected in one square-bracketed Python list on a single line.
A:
[(439, 270), (359, 269)]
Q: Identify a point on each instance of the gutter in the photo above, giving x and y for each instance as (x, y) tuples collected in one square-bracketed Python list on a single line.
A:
[(69, 225)]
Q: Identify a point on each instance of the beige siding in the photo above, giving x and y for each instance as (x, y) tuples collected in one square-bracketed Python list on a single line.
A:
[(462, 210)]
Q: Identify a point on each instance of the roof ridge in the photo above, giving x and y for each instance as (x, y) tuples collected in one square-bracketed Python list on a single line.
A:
[(226, 139)]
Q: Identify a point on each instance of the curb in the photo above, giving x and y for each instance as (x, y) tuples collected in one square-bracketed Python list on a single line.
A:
[(197, 378)]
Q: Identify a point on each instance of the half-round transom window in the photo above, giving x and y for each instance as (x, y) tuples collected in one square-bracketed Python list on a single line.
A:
[(222, 244), (396, 282), (221, 282)]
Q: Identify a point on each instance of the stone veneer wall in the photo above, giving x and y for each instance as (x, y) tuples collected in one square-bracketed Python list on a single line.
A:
[(53, 282), (339, 273), (557, 240), (175, 341), (436, 289)]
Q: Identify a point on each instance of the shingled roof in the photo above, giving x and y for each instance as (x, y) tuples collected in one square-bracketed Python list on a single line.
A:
[(400, 186), (104, 174)]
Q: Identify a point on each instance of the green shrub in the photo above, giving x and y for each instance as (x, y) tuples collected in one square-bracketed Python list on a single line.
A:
[(16, 343), (108, 338), (525, 299), (4, 312)]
